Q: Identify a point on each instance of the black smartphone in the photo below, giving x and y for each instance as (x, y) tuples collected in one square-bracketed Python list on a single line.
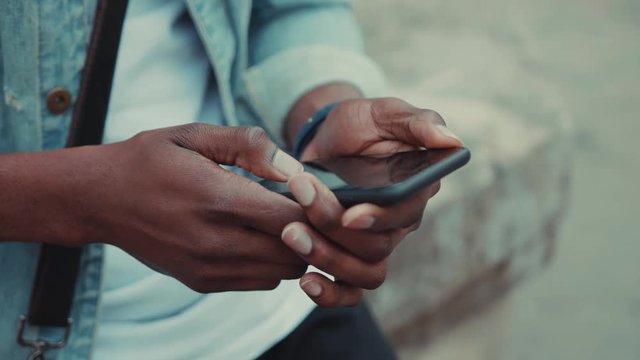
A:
[(382, 180)]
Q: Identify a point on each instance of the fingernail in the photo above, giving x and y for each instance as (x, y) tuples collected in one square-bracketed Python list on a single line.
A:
[(312, 288), (303, 190), (360, 222), (286, 164), (298, 240), (448, 133)]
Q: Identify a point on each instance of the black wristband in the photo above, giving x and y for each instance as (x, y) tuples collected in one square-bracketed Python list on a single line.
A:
[(310, 128)]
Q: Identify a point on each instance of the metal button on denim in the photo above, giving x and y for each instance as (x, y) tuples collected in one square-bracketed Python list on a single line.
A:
[(58, 100)]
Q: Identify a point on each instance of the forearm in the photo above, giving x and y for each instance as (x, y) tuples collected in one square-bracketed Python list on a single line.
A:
[(41, 193), (313, 101)]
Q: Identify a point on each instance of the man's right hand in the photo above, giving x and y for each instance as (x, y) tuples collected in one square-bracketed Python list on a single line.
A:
[(163, 197), (173, 207)]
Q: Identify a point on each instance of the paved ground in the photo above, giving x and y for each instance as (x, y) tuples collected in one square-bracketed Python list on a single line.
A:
[(587, 306)]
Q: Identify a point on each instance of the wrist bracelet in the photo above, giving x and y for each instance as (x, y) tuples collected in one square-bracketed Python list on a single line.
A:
[(308, 131)]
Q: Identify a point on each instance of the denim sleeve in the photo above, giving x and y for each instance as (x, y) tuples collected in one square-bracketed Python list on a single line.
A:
[(298, 45)]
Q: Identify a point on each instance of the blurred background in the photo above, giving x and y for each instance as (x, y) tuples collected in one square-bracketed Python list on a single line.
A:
[(532, 251)]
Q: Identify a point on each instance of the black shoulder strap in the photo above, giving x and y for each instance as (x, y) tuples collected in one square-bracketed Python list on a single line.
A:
[(53, 287)]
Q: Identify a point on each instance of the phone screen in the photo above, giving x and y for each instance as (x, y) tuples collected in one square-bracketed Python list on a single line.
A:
[(371, 172)]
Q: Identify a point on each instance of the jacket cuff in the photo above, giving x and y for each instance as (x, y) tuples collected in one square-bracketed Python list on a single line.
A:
[(275, 84)]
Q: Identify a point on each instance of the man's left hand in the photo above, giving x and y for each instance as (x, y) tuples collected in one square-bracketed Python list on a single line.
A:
[(378, 127), (353, 244)]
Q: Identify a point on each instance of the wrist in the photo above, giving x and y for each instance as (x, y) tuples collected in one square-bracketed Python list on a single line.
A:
[(310, 128), (312, 102), (87, 193), (42, 196)]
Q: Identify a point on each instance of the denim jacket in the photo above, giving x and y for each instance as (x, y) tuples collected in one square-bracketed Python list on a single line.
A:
[(264, 54)]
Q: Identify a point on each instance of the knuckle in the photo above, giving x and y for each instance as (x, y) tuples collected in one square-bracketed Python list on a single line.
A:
[(187, 135), (290, 212), (193, 128), (189, 131), (415, 226), (380, 107), (257, 144), (254, 135), (144, 135), (381, 249), (324, 259), (408, 218)]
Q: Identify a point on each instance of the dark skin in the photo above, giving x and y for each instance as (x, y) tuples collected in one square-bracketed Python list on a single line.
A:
[(354, 244), (162, 197)]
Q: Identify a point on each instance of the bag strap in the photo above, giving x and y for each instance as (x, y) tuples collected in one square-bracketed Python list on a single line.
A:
[(53, 287)]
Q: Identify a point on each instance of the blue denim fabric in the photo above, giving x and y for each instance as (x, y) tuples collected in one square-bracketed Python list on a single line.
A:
[(264, 55)]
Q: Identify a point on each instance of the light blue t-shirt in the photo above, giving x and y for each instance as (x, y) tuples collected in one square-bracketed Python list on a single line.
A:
[(162, 79)]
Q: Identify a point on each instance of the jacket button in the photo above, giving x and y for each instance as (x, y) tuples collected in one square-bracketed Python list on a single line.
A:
[(58, 100)]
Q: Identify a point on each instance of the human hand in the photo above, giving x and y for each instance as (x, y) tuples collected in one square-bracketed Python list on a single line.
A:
[(378, 127), (164, 199), (358, 240), (351, 244)]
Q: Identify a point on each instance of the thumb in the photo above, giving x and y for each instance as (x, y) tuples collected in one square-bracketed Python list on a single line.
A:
[(428, 129), (248, 147), (402, 121)]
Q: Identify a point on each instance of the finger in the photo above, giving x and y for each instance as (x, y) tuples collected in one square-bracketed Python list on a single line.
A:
[(325, 213), (327, 293), (419, 127), (320, 252), (249, 245), (256, 270), (248, 147), (377, 218), (252, 205)]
